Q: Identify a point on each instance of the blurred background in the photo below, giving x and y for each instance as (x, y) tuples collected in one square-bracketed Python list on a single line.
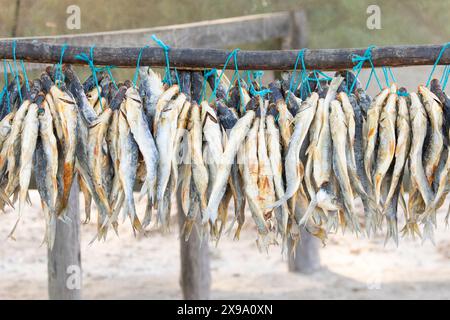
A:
[(148, 268)]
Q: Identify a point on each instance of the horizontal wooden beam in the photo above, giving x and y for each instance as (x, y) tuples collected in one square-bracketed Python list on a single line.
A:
[(217, 33), (190, 58)]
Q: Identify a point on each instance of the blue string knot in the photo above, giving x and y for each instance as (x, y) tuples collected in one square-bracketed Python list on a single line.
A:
[(90, 61), (293, 84), (16, 73), (206, 75), (232, 55), (166, 48), (59, 75), (360, 60)]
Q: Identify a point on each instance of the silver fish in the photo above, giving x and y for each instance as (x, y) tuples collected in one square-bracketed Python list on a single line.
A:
[(237, 136), (128, 155), (371, 130), (144, 139), (293, 166), (28, 145)]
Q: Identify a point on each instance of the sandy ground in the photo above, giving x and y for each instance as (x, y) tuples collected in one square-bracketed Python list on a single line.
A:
[(148, 268)]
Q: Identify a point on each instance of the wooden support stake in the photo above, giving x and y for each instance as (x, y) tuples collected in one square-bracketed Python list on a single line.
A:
[(64, 260), (306, 258), (195, 277)]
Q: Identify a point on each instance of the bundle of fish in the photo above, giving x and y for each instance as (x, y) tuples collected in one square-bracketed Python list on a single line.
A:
[(293, 158)]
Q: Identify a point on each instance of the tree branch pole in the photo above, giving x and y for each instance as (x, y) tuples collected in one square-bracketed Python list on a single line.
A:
[(195, 275), (64, 260), (184, 58)]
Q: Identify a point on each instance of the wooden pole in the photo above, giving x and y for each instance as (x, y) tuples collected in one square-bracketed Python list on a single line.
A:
[(305, 258), (320, 59), (195, 277), (64, 260)]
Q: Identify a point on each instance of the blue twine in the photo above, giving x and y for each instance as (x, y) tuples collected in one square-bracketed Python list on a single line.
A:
[(444, 77), (206, 75), (138, 62), (257, 75), (166, 48), (392, 74), (14, 44), (387, 71), (90, 61), (346, 82), (233, 54), (5, 89), (232, 80), (58, 74), (2, 94), (360, 60), (402, 93), (108, 70), (24, 71), (444, 47), (178, 79), (236, 71), (253, 91), (317, 79), (300, 56), (386, 76)]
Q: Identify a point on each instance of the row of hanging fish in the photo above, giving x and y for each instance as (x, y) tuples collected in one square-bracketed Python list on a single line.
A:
[(292, 158)]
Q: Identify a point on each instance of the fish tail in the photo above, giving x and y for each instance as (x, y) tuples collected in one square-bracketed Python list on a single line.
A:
[(187, 228), (430, 211), (309, 211), (137, 226), (392, 230), (87, 207), (411, 228), (428, 231), (144, 190), (22, 200), (265, 240), (148, 214), (5, 199), (447, 216), (238, 231), (332, 222), (318, 232), (370, 221)]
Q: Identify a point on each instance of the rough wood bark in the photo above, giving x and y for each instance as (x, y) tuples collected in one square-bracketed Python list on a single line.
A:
[(64, 260), (195, 276), (320, 59)]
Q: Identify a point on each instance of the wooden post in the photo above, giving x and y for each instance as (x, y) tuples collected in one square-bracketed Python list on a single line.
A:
[(195, 276), (64, 260), (306, 258), (297, 35)]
